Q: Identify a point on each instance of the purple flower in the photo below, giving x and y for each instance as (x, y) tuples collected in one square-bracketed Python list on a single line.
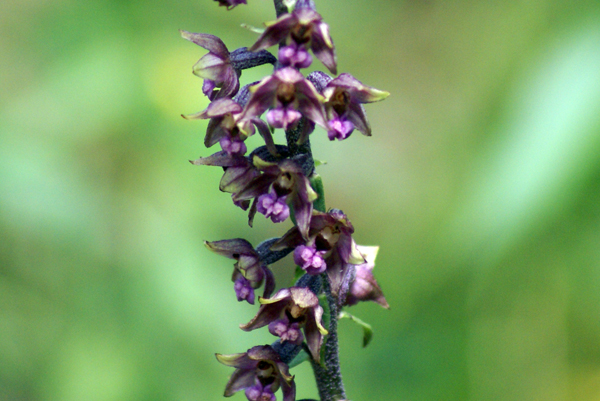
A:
[(291, 306), (215, 67), (309, 259), (289, 94), (365, 287), (227, 127), (281, 179), (344, 97), (331, 234), (273, 206), (302, 27), (260, 372), (230, 3), (249, 272)]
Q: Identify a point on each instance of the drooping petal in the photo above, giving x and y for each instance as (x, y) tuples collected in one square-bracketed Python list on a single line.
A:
[(322, 47), (269, 283), (209, 42), (236, 178), (263, 353), (357, 116), (258, 186), (231, 84), (279, 296), (220, 107), (230, 4), (239, 380), (314, 332), (215, 131), (310, 103), (265, 132), (266, 314), (263, 97), (291, 239), (241, 360), (231, 248)]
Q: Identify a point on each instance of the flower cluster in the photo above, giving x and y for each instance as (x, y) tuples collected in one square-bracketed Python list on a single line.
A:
[(279, 182)]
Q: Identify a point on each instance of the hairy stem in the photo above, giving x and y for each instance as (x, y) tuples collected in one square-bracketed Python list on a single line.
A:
[(328, 375)]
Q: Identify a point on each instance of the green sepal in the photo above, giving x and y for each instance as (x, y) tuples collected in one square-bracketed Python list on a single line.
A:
[(302, 356), (317, 185), (297, 274), (253, 28), (326, 321), (367, 329), (290, 4)]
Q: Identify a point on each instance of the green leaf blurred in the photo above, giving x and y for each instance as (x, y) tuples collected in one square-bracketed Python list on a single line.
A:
[(481, 185)]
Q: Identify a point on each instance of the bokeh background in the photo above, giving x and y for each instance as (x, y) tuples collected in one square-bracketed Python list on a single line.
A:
[(481, 184)]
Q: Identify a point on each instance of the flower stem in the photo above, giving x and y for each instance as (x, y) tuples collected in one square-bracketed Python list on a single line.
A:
[(328, 376)]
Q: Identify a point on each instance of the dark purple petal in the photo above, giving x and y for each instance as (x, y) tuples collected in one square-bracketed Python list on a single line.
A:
[(258, 186), (263, 97), (314, 336), (270, 310), (231, 248), (231, 84), (265, 132), (239, 380), (240, 361), (252, 211), (222, 159), (322, 46), (263, 353), (290, 239), (230, 4), (236, 178), (302, 210), (269, 282), (276, 31)]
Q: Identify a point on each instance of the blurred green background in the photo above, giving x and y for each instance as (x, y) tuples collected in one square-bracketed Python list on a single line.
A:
[(481, 184)]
